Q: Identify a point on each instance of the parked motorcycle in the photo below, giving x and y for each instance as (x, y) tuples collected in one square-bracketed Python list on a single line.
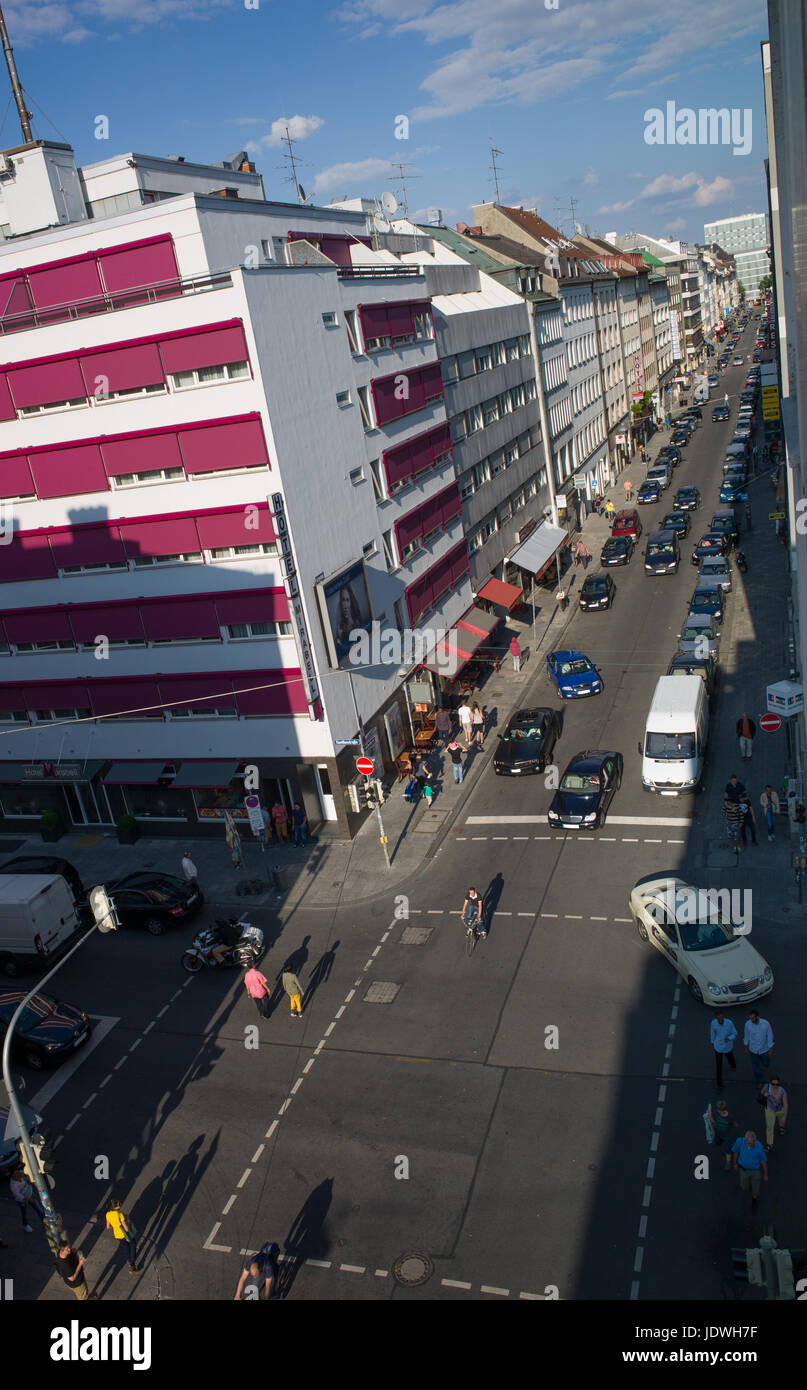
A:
[(742, 563), (243, 944)]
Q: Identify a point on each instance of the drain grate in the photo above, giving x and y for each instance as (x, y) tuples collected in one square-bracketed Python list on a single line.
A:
[(382, 992), (415, 936), (412, 1268)]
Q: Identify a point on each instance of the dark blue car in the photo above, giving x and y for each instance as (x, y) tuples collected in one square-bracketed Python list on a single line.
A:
[(650, 492), (573, 674), (586, 790)]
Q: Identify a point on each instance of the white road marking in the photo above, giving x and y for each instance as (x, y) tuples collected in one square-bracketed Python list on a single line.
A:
[(135, 1044), (598, 919), (549, 914), (435, 911), (455, 1284), (637, 1263), (309, 1064), (257, 1154), (270, 1131), (319, 1264), (163, 1010), (298, 1083), (612, 820), (349, 996), (284, 1107), (623, 919), (230, 1200), (46, 1093), (208, 1245), (148, 1027), (90, 1100), (382, 1274), (329, 1029), (651, 1168), (572, 917), (339, 1011), (659, 1116), (244, 1176), (642, 1227), (74, 1121), (353, 1269), (526, 914), (487, 1288), (648, 1192), (634, 1290)]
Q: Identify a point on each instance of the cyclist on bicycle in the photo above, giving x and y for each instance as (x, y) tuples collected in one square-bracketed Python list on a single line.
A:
[(472, 912)]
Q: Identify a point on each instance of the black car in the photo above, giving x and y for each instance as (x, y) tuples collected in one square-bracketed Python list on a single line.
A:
[(685, 664), (725, 522), (48, 864), (721, 412), (155, 901), (47, 1030), (712, 543), (671, 454), (597, 592), (648, 492), (586, 790), (677, 522), (527, 742), (680, 438), (694, 413), (687, 499), (617, 550)]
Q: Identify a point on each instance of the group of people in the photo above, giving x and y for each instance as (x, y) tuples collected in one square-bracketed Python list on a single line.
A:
[(746, 1154), (472, 728), (739, 813), (258, 988), (276, 827), (70, 1261)]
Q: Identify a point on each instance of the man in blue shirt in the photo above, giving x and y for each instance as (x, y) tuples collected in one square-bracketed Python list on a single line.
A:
[(750, 1161), (758, 1043), (722, 1034)]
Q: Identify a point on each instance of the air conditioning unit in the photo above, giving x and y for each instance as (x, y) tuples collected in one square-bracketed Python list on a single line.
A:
[(6, 166)]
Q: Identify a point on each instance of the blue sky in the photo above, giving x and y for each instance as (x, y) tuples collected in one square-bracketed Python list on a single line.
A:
[(562, 92)]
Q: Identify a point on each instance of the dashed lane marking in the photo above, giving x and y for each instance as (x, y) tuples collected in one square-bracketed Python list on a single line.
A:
[(244, 1177), (539, 819), (658, 1119)]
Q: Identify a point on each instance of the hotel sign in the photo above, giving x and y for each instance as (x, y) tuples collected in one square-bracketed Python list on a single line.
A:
[(292, 587), (54, 772)]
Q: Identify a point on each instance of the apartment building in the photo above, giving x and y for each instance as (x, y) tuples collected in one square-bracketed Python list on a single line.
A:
[(748, 240)]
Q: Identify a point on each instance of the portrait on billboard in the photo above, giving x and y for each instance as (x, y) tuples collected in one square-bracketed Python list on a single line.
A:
[(345, 607)]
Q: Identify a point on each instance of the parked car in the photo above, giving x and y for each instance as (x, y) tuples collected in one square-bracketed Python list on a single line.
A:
[(660, 473), (714, 379), (649, 492), (627, 523), (598, 592), (586, 790), (48, 864), (732, 490), (694, 412), (685, 664), (738, 359), (724, 523), (710, 601), (661, 555), (697, 639), (717, 568), (669, 452), (711, 954), (527, 742), (687, 499), (617, 550), (677, 522), (47, 1030), (154, 900), (680, 438), (712, 543), (573, 674)]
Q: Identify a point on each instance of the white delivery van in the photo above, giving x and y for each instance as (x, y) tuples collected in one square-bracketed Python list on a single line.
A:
[(675, 736), (37, 920)]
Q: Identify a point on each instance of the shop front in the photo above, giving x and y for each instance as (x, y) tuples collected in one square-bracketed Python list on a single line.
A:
[(70, 789)]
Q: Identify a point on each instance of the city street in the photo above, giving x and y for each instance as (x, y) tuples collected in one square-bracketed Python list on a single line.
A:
[(523, 1124)]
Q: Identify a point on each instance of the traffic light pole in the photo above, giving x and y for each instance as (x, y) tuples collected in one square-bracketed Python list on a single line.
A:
[(382, 836)]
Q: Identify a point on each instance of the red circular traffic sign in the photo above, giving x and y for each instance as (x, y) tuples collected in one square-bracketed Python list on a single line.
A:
[(364, 765), (770, 723)]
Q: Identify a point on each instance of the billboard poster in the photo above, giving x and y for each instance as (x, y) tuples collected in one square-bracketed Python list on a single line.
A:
[(345, 608)]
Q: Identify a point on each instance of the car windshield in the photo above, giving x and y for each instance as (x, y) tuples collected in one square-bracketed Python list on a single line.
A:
[(691, 634), (658, 549), (703, 598), (519, 735), (577, 782), (574, 668), (671, 747), (595, 586), (705, 935)]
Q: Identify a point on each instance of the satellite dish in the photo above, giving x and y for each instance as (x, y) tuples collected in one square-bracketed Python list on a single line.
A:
[(380, 222), (389, 203), (301, 192)]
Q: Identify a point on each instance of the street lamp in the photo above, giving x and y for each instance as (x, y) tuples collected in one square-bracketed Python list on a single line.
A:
[(34, 1153)]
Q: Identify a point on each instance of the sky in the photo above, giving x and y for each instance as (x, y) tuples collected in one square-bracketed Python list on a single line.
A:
[(562, 88)]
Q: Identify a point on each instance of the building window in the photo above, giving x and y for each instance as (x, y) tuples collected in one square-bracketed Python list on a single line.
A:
[(411, 548), (511, 349), (388, 543), (205, 712), (342, 398), (449, 370), (378, 480), (279, 245), (466, 364), (401, 615), (152, 475), (209, 376), (350, 326), (423, 326), (44, 716), (236, 552), (45, 646), (329, 318), (238, 631), (467, 486), (491, 411), (363, 393), (142, 561), (52, 405), (93, 569), (356, 476), (369, 549)]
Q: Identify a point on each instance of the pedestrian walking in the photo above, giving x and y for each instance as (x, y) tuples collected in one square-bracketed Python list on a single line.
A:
[(722, 1034), (666, 422), (645, 456), (776, 1107), (233, 840), (122, 1228), (734, 816), (726, 398), (584, 553), (428, 793), (724, 1122), (746, 732), (561, 598), (298, 822), (280, 817), (442, 723), (293, 989), (735, 789), (750, 1162), (749, 821), (189, 869), (515, 652), (609, 511), (257, 987), (478, 725), (267, 825), (24, 1196), (628, 486), (69, 1266), (769, 801), (598, 503), (758, 1043), (466, 718), (455, 754)]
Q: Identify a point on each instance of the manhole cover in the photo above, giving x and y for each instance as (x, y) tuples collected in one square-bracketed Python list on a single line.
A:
[(415, 936), (412, 1268), (382, 992)]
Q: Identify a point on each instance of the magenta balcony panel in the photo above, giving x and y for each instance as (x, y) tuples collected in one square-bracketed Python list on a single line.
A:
[(450, 503), (212, 347), (431, 515), (401, 393), (42, 383), (416, 455), (8, 410), (226, 444), (401, 321), (56, 695), (28, 557), (15, 476), (248, 525), (263, 606), (65, 283), (388, 405), (172, 536), (202, 689), (374, 321), (143, 263), (116, 622), (178, 619), (283, 692), (44, 625), (409, 528), (418, 596), (12, 698), (140, 453), (460, 562), (121, 369), (76, 468), (114, 697), (87, 545), (440, 575)]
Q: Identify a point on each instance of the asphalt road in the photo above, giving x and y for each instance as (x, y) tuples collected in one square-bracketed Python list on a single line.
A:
[(523, 1124)]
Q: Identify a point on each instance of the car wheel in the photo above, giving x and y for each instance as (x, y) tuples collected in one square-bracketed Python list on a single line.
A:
[(34, 1061), (10, 968), (155, 927), (641, 928), (695, 990)]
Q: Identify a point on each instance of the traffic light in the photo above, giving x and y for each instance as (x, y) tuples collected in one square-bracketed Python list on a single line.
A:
[(367, 794), (44, 1158)]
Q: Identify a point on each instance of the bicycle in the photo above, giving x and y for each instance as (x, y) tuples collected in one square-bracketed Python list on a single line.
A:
[(473, 929)]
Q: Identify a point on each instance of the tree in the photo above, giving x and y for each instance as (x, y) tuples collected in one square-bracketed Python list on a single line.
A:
[(766, 283), (741, 291)]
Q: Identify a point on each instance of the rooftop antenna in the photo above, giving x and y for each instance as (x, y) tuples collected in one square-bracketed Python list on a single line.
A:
[(404, 200), (493, 153), (287, 140), (22, 111)]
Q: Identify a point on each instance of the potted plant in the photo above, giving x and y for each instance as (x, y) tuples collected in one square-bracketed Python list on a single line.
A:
[(128, 829), (51, 827)]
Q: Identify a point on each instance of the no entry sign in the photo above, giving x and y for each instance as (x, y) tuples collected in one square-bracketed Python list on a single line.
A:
[(770, 723), (365, 766)]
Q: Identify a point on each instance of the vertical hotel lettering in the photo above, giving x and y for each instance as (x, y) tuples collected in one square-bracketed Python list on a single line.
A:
[(295, 603)]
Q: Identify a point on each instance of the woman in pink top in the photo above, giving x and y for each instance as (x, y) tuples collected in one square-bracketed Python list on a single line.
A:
[(257, 987)]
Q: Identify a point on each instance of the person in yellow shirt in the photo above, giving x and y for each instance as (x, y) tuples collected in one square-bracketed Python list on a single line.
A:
[(123, 1229)]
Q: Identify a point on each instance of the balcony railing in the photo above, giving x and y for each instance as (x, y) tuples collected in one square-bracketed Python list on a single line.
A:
[(377, 272), (106, 303)]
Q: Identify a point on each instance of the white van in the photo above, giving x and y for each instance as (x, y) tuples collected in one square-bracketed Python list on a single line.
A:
[(37, 920), (675, 736)]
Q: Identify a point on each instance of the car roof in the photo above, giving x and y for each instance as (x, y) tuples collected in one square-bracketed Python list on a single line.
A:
[(590, 757), (568, 654), (627, 514), (528, 716), (142, 878)]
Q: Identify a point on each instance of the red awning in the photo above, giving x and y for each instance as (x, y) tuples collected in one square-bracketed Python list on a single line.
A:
[(495, 591)]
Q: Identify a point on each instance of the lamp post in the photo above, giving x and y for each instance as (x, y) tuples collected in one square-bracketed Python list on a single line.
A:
[(382, 836)]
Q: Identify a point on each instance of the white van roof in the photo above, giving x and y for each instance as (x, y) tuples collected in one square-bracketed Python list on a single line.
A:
[(676, 699), (21, 888)]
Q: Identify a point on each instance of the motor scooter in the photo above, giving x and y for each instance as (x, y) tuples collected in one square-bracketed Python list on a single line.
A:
[(242, 940)]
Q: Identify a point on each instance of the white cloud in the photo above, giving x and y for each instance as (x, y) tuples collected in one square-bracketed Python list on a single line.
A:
[(73, 21), (591, 177), (349, 177), (299, 128), (689, 189)]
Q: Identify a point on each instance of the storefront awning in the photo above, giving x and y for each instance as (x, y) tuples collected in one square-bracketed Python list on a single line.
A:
[(455, 650), (205, 775), (507, 595), (476, 622), (539, 548), (133, 775)]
